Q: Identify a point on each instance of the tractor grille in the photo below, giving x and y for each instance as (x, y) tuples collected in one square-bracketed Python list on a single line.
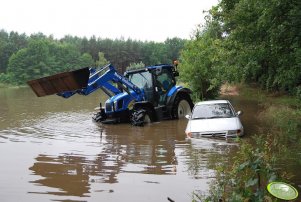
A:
[(108, 107)]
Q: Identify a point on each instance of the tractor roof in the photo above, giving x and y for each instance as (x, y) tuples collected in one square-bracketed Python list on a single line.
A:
[(159, 66), (149, 68)]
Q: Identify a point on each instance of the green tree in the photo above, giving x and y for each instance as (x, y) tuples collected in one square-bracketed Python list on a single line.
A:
[(45, 57), (31, 62), (9, 44), (134, 66), (101, 60), (86, 60), (67, 56), (4, 40), (173, 47), (37, 55), (200, 62), (264, 42)]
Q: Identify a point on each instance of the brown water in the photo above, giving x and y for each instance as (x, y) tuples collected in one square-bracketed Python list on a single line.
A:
[(51, 150)]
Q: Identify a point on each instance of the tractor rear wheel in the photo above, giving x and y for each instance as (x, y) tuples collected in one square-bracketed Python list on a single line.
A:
[(182, 106), (140, 117)]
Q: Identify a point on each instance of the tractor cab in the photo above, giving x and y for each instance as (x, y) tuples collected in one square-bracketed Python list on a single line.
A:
[(155, 81)]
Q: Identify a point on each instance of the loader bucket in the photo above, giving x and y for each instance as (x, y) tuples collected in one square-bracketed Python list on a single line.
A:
[(62, 82)]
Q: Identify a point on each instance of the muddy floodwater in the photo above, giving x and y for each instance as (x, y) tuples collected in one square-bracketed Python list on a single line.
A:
[(51, 150)]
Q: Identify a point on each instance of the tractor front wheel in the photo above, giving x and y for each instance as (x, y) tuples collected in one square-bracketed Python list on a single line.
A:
[(140, 117), (100, 116)]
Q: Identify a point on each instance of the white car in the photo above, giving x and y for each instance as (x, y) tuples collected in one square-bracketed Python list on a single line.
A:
[(215, 118)]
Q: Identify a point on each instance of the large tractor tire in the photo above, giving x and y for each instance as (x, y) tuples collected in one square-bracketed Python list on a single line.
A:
[(182, 106), (140, 117), (100, 116)]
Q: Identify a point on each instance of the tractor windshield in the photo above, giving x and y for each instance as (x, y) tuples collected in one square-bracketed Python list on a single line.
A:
[(144, 81), (141, 79)]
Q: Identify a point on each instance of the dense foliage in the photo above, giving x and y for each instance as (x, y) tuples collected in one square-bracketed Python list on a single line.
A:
[(28, 57), (199, 65), (247, 40), (242, 40), (250, 41)]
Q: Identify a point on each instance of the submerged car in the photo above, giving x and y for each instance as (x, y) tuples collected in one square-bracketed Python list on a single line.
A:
[(215, 118)]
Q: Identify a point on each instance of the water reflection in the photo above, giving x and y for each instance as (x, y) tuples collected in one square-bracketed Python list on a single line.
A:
[(124, 148), (204, 152), (157, 149), (67, 173), (70, 158), (148, 146)]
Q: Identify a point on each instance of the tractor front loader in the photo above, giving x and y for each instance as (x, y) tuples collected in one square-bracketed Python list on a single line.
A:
[(139, 96)]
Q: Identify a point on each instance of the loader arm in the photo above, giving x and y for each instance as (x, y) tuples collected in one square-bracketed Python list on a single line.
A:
[(84, 82)]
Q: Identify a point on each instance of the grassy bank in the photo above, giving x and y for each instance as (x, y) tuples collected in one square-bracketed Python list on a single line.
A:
[(264, 157), (5, 85)]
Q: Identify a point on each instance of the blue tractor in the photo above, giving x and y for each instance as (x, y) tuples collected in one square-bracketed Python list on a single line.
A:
[(139, 96)]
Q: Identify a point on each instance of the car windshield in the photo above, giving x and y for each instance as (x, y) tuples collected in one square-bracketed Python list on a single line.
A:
[(209, 111)]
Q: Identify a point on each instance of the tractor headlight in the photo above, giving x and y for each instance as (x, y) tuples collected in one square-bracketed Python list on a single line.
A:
[(115, 105)]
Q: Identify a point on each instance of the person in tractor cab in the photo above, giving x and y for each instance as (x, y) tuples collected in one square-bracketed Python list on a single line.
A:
[(164, 82)]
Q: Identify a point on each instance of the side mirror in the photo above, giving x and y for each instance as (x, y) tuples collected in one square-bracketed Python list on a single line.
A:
[(239, 113), (188, 116), (158, 71)]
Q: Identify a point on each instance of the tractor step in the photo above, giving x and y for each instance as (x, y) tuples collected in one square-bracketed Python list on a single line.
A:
[(62, 82)]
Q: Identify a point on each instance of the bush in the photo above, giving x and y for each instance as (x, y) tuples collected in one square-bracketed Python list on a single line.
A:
[(246, 178), (4, 78), (198, 70)]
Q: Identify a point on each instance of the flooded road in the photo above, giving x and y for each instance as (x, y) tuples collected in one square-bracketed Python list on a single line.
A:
[(51, 150)]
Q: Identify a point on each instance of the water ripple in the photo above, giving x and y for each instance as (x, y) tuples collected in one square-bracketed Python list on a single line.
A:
[(74, 126)]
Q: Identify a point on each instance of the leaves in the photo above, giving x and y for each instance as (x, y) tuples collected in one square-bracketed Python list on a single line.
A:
[(243, 166), (102, 61), (43, 57), (264, 40), (251, 182), (23, 57), (199, 65)]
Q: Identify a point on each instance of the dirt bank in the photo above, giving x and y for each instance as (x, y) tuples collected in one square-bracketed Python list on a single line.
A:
[(228, 89)]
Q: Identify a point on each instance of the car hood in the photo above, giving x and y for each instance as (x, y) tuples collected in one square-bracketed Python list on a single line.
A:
[(212, 125)]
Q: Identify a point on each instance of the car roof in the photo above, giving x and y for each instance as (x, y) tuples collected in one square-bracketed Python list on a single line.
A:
[(212, 102)]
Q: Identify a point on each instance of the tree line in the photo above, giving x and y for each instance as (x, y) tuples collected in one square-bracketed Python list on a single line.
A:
[(23, 57), (251, 41)]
